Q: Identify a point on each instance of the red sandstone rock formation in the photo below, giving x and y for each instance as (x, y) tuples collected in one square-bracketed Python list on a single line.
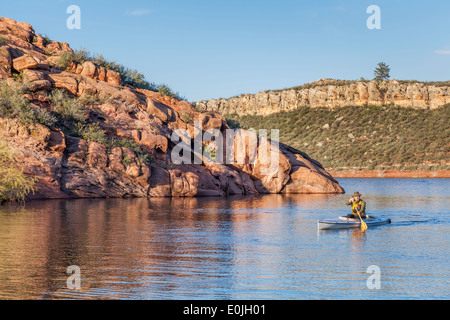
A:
[(70, 167)]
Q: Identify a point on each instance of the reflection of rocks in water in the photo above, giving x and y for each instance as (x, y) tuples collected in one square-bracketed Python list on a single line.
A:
[(107, 238), (171, 248)]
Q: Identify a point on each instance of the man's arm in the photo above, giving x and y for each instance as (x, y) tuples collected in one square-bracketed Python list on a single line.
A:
[(363, 207)]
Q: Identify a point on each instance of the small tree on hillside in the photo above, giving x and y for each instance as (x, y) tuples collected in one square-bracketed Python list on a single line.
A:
[(382, 72)]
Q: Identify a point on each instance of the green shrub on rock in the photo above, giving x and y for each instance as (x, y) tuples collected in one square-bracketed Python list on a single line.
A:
[(15, 185)]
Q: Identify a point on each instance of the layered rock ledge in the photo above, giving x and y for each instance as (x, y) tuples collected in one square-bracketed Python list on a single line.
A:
[(332, 93)]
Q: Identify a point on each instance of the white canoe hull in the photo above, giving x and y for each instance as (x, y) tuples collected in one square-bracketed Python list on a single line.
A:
[(347, 223)]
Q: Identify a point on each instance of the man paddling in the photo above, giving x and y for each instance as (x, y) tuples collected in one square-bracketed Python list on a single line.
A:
[(358, 206)]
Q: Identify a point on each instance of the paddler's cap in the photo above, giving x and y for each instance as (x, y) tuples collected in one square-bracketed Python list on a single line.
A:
[(357, 194)]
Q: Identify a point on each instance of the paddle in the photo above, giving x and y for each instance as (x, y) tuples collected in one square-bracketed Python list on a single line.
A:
[(364, 226)]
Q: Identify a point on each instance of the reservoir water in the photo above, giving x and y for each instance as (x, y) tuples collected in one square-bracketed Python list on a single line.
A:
[(264, 247)]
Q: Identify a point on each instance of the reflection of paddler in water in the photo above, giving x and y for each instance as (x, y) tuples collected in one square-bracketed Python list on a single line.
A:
[(358, 236), (358, 206), (357, 243)]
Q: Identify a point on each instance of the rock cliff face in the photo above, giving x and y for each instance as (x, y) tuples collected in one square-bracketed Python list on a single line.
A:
[(334, 94), (68, 166)]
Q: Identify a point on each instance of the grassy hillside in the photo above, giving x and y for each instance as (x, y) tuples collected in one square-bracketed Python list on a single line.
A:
[(363, 138)]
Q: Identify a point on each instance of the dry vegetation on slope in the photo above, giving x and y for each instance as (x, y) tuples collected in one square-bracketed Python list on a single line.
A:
[(363, 138)]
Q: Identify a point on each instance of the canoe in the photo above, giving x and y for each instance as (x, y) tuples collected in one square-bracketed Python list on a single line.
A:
[(346, 223)]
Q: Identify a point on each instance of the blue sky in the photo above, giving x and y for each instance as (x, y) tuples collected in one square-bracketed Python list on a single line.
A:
[(220, 48)]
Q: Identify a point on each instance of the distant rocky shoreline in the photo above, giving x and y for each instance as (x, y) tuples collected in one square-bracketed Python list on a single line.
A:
[(391, 174), (332, 94)]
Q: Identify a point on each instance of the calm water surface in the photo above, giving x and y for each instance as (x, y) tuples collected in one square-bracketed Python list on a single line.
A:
[(265, 247)]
